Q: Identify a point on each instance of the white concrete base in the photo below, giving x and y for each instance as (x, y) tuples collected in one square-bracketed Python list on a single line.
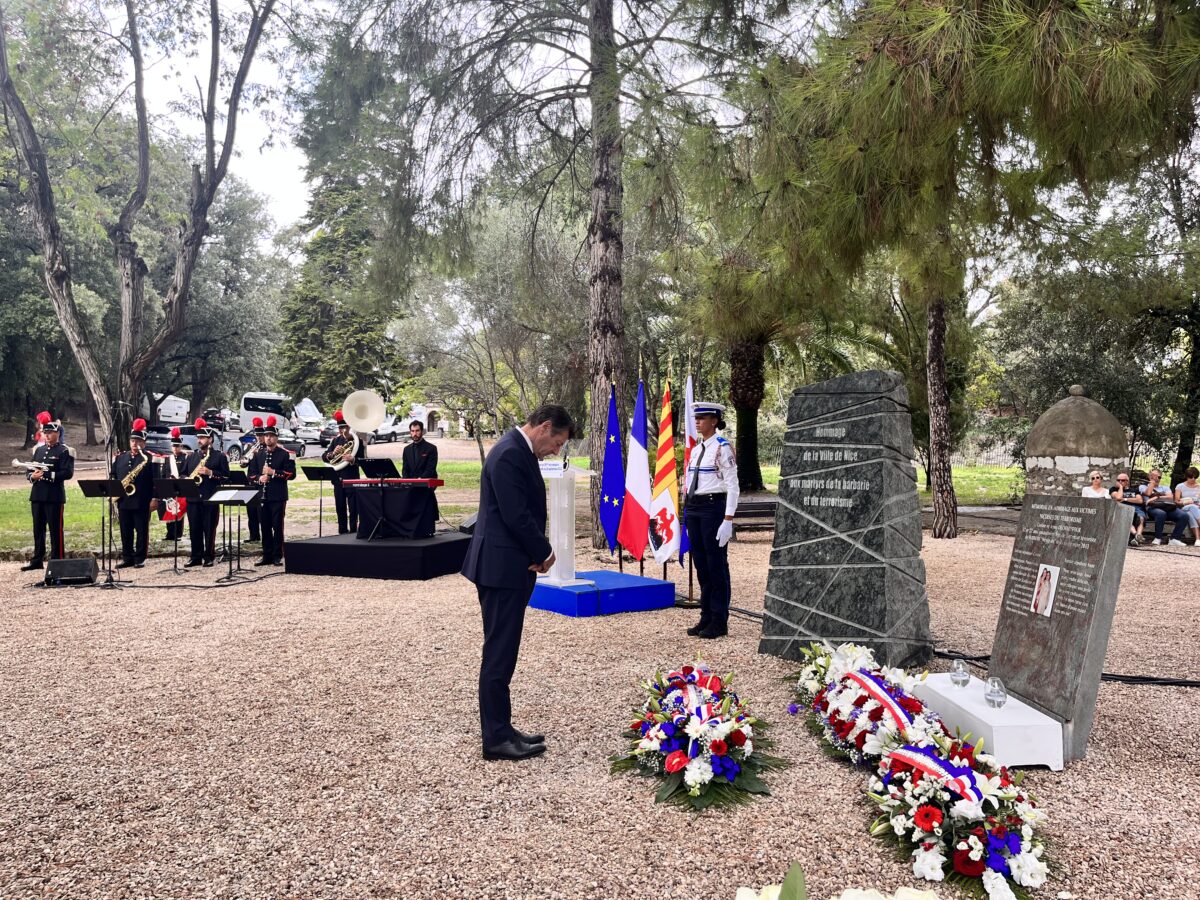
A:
[(1016, 734)]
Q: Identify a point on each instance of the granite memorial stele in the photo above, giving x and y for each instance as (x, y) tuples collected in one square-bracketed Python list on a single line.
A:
[(846, 562)]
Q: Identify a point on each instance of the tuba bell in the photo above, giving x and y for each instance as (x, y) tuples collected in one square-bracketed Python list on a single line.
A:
[(364, 410)]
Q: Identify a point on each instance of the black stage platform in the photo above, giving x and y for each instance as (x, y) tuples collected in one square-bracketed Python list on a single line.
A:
[(408, 560)]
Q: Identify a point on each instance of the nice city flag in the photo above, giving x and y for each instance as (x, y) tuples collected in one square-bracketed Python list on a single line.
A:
[(633, 532), (664, 500)]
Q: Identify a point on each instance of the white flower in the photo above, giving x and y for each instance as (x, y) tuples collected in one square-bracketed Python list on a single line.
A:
[(900, 824), (811, 685), (996, 886), (907, 893), (968, 810), (697, 772), (1028, 870), (928, 864), (694, 728), (1030, 814), (748, 748)]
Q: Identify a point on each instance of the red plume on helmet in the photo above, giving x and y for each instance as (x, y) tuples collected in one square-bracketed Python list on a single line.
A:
[(43, 418), (176, 432), (200, 423), (270, 421), (257, 422), (139, 424), (338, 417)]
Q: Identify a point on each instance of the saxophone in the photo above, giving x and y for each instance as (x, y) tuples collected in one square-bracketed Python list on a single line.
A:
[(197, 478), (127, 483)]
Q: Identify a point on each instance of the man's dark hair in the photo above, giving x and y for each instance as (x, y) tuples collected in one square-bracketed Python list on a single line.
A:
[(557, 416), (1192, 472), (418, 423)]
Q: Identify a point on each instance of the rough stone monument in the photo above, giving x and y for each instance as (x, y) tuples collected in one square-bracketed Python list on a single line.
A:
[(1069, 440), (1058, 607), (846, 562)]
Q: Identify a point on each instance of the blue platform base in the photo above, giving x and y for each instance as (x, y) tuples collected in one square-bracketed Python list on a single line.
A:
[(613, 592)]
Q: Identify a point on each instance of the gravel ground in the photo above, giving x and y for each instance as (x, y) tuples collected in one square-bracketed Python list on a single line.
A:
[(306, 737)]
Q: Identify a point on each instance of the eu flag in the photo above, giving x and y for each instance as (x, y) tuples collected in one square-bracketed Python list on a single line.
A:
[(612, 482)]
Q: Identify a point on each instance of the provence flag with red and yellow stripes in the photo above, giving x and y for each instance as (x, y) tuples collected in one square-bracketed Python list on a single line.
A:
[(665, 526)]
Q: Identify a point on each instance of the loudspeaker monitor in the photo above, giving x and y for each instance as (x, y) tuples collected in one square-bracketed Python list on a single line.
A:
[(468, 525), (72, 571)]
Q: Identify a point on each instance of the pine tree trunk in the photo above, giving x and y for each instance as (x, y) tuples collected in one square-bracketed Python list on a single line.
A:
[(747, 386), (606, 325), (945, 505), (1190, 415)]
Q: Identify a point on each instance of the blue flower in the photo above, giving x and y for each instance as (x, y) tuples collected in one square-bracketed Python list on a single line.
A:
[(731, 769), (793, 709), (645, 727), (667, 729), (998, 863), (1014, 843)]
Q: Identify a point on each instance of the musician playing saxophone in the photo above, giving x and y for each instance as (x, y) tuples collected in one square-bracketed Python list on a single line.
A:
[(344, 500), (48, 494), (135, 470), (209, 467), (272, 467)]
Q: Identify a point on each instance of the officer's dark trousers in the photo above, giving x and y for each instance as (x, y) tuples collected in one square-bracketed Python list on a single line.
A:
[(270, 520), (135, 533), (203, 519), (703, 518), (503, 621), (252, 519), (346, 503), (47, 516)]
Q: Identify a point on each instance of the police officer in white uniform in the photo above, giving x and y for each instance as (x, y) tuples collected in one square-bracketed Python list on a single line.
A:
[(709, 505)]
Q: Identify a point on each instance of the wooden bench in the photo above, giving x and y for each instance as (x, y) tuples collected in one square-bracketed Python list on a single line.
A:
[(755, 515)]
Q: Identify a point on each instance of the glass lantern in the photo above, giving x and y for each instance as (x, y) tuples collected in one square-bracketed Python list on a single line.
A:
[(959, 675), (996, 694)]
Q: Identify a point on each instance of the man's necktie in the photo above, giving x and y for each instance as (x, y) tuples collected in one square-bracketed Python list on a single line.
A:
[(696, 474)]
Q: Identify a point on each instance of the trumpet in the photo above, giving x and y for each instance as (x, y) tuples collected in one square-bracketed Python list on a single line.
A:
[(32, 466)]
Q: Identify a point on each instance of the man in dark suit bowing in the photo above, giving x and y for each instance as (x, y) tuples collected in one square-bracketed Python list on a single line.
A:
[(508, 549)]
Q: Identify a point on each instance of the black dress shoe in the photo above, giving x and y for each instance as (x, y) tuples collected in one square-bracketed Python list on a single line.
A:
[(529, 738), (697, 628), (140, 565), (208, 563), (192, 563), (262, 562), (713, 632), (31, 565), (278, 562), (124, 565), (513, 750)]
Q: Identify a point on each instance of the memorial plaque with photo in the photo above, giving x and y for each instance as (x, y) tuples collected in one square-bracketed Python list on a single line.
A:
[(1058, 607), (846, 562)]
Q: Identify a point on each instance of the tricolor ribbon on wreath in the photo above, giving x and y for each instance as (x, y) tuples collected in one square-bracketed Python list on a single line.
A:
[(878, 692), (959, 780)]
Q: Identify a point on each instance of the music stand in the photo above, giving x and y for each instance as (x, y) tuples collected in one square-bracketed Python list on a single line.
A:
[(173, 488), (378, 470), (110, 489), (321, 474), (236, 478), (238, 497)]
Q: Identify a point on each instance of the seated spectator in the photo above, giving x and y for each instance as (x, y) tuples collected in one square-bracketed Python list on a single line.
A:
[(1160, 506), (1187, 496), (1096, 487), (1123, 493)]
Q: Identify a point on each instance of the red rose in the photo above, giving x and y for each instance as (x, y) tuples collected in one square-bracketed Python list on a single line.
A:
[(718, 747), (687, 670), (843, 729), (927, 817), (964, 865), (676, 761), (876, 714), (912, 705), (860, 740), (737, 738)]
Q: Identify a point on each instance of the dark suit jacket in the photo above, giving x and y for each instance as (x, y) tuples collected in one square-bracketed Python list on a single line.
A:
[(420, 461), (510, 533), (143, 483)]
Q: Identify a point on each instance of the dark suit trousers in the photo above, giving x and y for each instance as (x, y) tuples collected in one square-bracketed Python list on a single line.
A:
[(345, 502), (253, 522), (203, 519), (710, 559), (270, 520), (503, 620), (135, 533), (47, 517)]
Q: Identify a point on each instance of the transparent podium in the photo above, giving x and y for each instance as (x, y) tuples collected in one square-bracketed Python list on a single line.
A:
[(561, 509)]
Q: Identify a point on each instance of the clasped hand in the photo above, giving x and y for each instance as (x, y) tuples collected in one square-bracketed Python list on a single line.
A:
[(544, 567)]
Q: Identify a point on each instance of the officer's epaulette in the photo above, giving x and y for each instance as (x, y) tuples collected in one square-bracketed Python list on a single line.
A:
[(721, 440), (70, 450)]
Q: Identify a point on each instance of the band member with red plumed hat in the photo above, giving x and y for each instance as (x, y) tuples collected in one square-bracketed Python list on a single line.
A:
[(48, 494), (210, 468), (174, 510), (344, 500), (135, 470), (249, 448), (273, 468)]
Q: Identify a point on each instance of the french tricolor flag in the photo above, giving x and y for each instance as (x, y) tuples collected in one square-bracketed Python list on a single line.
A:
[(633, 532)]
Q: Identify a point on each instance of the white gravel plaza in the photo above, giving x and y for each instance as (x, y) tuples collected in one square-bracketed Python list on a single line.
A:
[(309, 737)]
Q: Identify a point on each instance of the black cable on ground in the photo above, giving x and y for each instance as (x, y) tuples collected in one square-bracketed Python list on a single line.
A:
[(159, 587), (1151, 680)]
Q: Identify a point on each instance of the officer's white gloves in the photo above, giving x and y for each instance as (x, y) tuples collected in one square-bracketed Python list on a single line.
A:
[(724, 533)]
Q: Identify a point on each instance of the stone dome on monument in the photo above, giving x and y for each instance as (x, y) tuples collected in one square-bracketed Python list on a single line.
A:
[(1070, 439)]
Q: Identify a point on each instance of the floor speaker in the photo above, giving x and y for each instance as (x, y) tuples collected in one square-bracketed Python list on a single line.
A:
[(72, 571), (468, 525)]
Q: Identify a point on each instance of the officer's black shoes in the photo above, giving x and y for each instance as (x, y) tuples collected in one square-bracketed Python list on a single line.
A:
[(697, 628), (192, 563), (208, 563), (530, 738), (278, 562), (140, 564), (514, 750), (713, 631), (31, 565), (263, 562), (124, 565)]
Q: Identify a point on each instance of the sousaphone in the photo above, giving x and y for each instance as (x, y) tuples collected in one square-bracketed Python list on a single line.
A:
[(362, 411)]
